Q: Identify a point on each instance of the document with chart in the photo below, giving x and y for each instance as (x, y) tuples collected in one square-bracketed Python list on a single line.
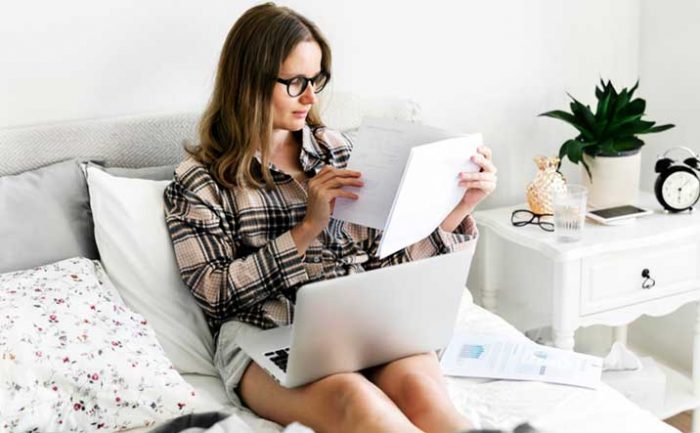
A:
[(498, 358), (410, 174)]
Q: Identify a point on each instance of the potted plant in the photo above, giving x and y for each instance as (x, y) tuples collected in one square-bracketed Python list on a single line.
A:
[(607, 143)]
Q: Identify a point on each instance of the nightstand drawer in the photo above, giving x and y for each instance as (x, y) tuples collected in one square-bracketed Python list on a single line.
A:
[(614, 280)]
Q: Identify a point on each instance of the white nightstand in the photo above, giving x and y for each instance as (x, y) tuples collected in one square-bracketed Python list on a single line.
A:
[(532, 280)]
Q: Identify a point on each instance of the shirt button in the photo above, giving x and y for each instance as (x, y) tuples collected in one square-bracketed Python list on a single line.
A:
[(317, 260)]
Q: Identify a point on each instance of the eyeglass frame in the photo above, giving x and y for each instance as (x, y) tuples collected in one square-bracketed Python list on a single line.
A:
[(305, 83), (534, 219)]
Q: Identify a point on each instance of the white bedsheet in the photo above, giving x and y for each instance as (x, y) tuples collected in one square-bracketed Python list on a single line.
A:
[(500, 403), (549, 407)]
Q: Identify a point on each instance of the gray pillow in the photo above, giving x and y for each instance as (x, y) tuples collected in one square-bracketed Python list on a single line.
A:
[(45, 215)]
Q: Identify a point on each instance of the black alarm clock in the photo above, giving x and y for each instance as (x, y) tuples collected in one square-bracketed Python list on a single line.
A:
[(677, 186)]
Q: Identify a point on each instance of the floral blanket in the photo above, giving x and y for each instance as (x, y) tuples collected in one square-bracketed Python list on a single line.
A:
[(74, 358)]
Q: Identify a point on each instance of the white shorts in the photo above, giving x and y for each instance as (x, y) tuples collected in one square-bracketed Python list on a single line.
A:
[(230, 360)]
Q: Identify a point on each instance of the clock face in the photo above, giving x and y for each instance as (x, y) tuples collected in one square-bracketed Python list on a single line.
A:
[(681, 189)]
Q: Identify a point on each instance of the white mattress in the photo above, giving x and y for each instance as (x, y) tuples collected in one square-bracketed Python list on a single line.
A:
[(499, 403)]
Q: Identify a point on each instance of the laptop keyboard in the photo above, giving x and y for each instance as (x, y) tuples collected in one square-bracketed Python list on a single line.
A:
[(279, 357)]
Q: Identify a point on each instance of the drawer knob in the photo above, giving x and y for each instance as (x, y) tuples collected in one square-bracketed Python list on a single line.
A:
[(648, 282)]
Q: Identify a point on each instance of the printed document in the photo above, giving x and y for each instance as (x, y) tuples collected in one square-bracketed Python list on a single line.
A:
[(410, 174), (498, 358)]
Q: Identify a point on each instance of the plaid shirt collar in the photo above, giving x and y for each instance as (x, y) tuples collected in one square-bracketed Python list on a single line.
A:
[(313, 157)]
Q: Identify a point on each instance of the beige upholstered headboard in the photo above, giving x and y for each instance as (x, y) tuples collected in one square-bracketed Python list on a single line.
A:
[(156, 139)]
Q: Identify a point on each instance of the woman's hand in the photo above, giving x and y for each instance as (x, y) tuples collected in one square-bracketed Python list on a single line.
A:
[(479, 185), (324, 188)]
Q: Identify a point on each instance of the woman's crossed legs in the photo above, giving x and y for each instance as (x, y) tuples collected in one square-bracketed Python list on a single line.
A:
[(405, 396)]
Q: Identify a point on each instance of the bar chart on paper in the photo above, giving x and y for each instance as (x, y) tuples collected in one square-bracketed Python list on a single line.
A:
[(471, 351)]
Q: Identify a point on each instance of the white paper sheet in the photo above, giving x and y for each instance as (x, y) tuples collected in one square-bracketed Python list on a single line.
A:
[(411, 180), (429, 190), (380, 154), (498, 358)]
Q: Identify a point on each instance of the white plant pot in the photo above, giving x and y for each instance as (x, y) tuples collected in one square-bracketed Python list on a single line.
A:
[(615, 180)]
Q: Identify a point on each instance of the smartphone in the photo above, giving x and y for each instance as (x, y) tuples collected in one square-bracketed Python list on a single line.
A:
[(617, 213)]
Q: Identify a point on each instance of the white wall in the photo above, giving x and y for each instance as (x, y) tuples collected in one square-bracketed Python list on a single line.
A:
[(472, 65), (668, 66), (669, 61)]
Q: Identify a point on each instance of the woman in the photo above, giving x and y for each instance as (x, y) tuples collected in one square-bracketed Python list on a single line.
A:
[(249, 214)]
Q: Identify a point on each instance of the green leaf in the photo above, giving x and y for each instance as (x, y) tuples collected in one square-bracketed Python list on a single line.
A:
[(659, 128), (624, 144), (574, 150), (633, 128), (613, 129), (601, 112), (621, 102), (562, 151), (588, 170), (612, 106), (607, 147), (634, 88), (585, 115), (636, 106), (570, 119), (600, 92), (561, 115)]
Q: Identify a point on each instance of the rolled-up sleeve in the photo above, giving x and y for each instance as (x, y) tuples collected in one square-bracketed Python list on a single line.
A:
[(223, 279)]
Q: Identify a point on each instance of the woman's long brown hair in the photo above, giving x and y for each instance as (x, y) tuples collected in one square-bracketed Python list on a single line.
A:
[(237, 121)]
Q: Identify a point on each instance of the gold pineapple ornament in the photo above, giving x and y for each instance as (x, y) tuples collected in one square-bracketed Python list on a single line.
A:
[(547, 181)]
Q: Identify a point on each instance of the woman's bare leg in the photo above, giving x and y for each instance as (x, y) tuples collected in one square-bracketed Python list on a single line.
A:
[(345, 402), (418, 388)]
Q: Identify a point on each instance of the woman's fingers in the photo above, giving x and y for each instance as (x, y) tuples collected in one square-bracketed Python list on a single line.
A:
[(482, 180), (329, 172), (328, 183), (482, 175), (485, 163), (335, 193), (332, 194), (338, 182), (347, 194), (486, 151), (485, 185), (330, 177)]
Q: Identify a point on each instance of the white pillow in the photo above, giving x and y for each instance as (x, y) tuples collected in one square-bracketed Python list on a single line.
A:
[(137, 253), (74, 358)]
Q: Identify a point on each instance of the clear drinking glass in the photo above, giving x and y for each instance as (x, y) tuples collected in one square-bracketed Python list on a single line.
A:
[(569, 212)]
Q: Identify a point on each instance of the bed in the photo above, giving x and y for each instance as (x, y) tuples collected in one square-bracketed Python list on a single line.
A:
[(136, 142)]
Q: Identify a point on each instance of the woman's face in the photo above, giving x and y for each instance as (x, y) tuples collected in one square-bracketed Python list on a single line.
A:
[(288, 112)]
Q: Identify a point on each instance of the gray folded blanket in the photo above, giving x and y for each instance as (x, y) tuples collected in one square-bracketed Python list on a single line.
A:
[(216, 422), (219, 422)]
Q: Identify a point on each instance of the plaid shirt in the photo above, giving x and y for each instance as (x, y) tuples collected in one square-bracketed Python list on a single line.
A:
[(235, 251)]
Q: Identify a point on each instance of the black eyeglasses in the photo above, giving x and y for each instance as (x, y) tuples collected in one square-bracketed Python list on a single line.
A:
[(523, 217), (297, 85)]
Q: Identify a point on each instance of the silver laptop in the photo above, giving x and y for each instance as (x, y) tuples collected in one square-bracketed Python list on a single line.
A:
[(362, 320)]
